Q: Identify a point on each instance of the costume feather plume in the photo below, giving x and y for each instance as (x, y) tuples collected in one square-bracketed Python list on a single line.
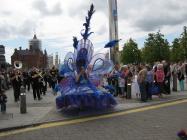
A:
[(75, 42), (86, 32)]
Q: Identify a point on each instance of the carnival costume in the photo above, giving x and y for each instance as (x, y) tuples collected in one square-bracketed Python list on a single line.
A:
[(83, 92)]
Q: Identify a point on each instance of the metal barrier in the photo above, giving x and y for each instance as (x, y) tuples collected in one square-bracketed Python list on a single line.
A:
[(128, 96)]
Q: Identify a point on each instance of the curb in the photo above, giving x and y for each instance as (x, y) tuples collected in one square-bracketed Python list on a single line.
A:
[(84, 116)]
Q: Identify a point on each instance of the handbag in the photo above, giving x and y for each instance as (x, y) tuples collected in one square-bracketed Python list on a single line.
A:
[(154, 89)]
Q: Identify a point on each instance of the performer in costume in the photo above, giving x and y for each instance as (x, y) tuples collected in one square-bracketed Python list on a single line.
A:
[(81, 71)]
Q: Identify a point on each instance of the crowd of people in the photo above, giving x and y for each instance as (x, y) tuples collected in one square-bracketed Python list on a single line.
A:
[(35, 78), (147, 80)]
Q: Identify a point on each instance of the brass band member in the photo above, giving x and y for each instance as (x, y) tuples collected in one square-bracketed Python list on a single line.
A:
[(44, 81), (35, 84), (53, 74), (15, 77), (26, 80)]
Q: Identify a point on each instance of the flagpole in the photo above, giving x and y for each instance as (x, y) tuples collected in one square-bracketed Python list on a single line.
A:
[(113, 30)]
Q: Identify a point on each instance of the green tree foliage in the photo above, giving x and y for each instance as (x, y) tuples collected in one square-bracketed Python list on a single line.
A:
[(130, 52), (179, 47), (176, 53), (183, 44), (156, 48)]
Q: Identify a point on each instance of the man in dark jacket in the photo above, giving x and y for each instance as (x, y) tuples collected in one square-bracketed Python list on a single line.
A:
[(15, 78), (167, 77), (35, 83)]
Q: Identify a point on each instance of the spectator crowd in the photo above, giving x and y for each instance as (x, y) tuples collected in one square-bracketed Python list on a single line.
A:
[(145, 80)]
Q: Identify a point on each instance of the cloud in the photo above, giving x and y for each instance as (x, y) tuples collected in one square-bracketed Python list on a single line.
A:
[(42, 8), (158, 22), (150, 15), (57, 21), (5, 13), (25, 29), (82, 6), (102, 30), (8, 52), (5, 31)]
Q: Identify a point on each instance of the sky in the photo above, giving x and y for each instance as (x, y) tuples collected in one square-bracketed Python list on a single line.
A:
[(56, 22)]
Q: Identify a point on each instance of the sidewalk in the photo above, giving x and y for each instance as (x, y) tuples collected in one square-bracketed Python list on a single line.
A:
[(45, 110), (36, 110)]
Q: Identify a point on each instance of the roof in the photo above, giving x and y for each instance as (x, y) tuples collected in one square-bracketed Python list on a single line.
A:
[(24, 52)]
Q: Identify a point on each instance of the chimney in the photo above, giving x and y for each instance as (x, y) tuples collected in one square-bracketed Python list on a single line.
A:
[(20, 48)]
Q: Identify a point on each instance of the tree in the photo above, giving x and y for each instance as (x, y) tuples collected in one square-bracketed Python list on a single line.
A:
[(176, 53), (183, 43), (130, 52), (156, 48)]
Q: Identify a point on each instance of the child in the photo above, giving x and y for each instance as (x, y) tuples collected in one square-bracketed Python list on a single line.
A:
[(105, 84), (181, 78), (3, 100), (121, 83)]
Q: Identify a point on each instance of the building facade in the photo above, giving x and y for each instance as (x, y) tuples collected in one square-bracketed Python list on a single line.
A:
[(56, 60), (50, 61), (32, 57), (2, 56)]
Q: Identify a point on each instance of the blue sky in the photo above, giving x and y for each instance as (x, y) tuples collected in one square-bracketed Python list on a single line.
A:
[(56, 22)]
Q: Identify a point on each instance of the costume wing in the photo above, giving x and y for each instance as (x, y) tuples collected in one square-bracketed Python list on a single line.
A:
[(66, 84), (69, 62), (95, 79), (100, 65)]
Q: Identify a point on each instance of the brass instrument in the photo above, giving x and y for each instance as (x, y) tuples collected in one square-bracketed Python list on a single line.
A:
[(40, 74), (18, 64)]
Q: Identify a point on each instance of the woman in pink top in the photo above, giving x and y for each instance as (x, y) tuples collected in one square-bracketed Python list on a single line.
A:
[(160, 77)]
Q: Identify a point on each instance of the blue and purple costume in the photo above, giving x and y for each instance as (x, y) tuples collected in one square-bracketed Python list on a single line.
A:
[(84, 94)]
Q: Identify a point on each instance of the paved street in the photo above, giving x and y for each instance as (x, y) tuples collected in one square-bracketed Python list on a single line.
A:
[(45, 110), (161, 123)]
